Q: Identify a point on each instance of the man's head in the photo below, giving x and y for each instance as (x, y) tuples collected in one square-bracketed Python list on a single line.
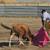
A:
[(43, 10)]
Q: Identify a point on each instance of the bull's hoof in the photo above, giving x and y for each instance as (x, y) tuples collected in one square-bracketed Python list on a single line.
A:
[(22, 46)]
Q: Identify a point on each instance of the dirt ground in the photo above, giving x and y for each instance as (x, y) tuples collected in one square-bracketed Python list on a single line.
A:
[(34, 24), (30, 47)]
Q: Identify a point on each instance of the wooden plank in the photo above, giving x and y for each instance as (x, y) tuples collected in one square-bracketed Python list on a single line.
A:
[(12, 41)]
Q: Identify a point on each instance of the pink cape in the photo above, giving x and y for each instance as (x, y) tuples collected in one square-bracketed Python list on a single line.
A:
[(42, 38)]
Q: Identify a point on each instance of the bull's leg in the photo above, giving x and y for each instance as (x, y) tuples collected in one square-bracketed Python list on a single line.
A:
[(10, 39), (30, 39), (21, 43), (20, 39)]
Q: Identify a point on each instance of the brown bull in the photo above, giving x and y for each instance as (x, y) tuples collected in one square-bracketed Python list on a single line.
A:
[(20, 30)]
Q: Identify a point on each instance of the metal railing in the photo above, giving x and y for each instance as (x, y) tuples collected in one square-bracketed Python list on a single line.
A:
[(9, 9)]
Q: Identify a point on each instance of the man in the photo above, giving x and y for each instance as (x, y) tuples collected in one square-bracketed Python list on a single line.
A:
[(42, 38), (45, 17)]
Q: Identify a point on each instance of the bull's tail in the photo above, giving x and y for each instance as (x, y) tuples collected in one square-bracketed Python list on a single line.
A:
[(6, 26)]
